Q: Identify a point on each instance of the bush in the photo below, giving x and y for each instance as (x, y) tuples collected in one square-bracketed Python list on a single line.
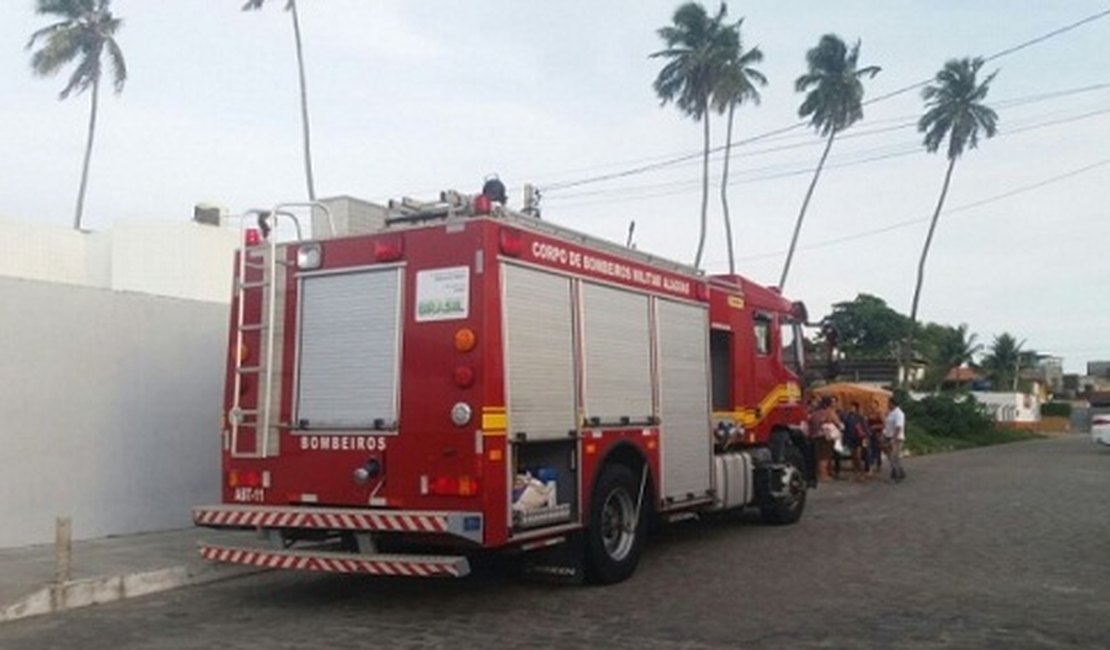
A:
[(1056, 409), (941, 415), (942, 423)]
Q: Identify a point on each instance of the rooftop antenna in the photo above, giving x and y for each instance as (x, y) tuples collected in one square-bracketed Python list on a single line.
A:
[(631, 233), (531, 200)]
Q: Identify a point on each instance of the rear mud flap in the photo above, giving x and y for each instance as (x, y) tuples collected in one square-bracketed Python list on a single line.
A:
[(560, 561)]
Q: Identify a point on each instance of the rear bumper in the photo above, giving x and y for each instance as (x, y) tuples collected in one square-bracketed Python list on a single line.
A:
[(416, 566), (464, 525)]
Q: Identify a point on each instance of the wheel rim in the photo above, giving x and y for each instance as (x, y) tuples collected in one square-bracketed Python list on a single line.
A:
[(618, 529), (795, 487)]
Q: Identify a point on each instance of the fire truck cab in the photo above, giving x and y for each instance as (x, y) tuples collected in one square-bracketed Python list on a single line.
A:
[(453, 376)]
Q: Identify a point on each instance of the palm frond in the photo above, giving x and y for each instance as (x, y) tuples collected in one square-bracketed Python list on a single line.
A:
[(954, 108), (86, 74), (82, 39), (835, 94), (119, 66), (72, 9), (61, 48), (47, 31)]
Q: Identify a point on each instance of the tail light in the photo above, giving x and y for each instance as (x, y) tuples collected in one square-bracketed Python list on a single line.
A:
[(465, 339), (464, 376), (454, 486), (244, 478), (1099, 421)]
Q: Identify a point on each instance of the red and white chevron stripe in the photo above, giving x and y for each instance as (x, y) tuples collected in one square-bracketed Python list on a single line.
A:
[(321, 518), (383, 565)]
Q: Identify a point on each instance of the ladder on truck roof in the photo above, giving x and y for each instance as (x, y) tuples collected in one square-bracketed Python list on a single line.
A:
[(259, 257)]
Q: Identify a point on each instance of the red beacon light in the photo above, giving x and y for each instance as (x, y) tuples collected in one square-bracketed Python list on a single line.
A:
[(252, 237), (511, 242), (389, 248), (482, 204)]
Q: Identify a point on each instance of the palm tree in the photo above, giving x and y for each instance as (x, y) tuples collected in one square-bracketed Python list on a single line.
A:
[(954, 112), (291, 7), (946, 348), (736, 86), (834, 102), (698, 46), (1005, 360), (86, 30)]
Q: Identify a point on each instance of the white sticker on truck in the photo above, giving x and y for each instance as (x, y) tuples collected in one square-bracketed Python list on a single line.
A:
[(443, 294)]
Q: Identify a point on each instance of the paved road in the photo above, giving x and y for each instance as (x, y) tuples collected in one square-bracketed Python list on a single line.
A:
[(1006, 547)]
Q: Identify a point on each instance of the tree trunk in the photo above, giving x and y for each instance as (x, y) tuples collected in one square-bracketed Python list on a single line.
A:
[(304, 104), (921, 263), (802, 213), (704, 185), (88, 156), (724, 192)]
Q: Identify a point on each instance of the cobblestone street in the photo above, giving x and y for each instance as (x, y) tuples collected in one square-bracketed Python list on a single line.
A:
[(1001, 547)]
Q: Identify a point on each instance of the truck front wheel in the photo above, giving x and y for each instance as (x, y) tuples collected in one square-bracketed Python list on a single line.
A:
[(616, 531), (787, 508)]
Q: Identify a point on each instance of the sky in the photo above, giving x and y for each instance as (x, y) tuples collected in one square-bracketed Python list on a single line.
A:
[(411, 97)]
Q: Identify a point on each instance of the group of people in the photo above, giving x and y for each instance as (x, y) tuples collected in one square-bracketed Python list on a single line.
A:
[(838, 434)]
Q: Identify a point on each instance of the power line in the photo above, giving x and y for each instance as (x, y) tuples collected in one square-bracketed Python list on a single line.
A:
[(684, 157), (912, 222), (664, 163), (765, 173), (998, 55), (901, 123)]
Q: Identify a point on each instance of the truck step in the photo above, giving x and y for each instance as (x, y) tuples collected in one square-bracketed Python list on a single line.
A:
[(414, 566)]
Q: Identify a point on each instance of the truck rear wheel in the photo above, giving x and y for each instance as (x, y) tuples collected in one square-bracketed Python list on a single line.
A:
[(788, 508), (616, 531)]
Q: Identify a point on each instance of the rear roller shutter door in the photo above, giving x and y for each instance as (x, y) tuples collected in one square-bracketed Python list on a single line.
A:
[(349, 335), (539, 353)]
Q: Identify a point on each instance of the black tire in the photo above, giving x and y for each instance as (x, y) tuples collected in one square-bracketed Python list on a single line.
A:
[(613, 541), (788, 509)]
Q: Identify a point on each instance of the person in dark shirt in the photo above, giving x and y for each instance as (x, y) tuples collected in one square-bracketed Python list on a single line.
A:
[(874, 457), (855, 433)]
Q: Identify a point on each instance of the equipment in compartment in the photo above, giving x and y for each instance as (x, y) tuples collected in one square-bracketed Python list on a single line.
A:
[(544, 484)]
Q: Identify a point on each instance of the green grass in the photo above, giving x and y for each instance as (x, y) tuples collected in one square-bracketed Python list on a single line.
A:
[(919, 441)]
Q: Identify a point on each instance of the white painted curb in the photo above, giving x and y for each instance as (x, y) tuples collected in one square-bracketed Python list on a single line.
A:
[(97, 591)]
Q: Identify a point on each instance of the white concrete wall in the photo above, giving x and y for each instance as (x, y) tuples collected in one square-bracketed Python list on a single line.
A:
[(1010, 407), (167, 258), (109, 407), (38, 252)]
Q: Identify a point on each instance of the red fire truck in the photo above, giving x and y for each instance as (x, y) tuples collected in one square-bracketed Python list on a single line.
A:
[(456, 376)]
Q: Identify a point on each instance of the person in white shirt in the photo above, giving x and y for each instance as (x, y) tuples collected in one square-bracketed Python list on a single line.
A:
[(894, 435)]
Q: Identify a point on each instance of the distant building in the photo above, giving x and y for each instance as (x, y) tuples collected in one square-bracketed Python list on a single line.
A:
[(961, 377), (874, 372), (1098, 369), (1048, 372)]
